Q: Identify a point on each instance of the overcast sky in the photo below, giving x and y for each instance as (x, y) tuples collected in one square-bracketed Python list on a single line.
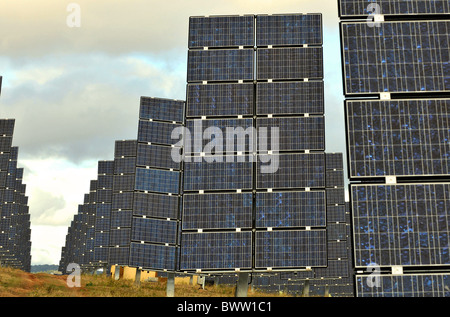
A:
[(75, 90)]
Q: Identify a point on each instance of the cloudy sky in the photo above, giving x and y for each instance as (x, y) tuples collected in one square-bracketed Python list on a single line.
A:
[(75, 90)]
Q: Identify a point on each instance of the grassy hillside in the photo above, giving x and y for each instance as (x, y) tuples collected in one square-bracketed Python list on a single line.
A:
[(16, 283)]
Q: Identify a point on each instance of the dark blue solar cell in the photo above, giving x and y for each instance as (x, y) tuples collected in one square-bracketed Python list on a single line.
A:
[(295, 29), (293, 248), (157, 156), (349, 8), (161, 109), (156, 132), (160, 181), (216, 250), (290, 209), (153, 230), (221, 31), (403, 56), (220, 65), (149, 256)]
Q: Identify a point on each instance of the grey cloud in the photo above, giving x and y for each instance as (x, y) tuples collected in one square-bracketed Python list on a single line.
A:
[(46, 208)]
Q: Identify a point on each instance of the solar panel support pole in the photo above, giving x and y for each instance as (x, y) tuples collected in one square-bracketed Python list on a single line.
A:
[(117, 273), (242, 285), (306, 289), (137, 278), (170, 287)]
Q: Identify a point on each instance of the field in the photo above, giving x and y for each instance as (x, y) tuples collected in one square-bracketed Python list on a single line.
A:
[(16, 283)]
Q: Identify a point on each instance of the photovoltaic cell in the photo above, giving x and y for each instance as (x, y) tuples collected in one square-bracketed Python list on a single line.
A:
[(357, 8), (407, 56), (217, 175), (161, 181), (156, 205), (119, 256), (157, 156), (294, 170), (297, 97), (219, 99), (7, 127), (220, 65), (334, 160), (289, 63), (150, 256), (153, 230), (125, 148), (403, 224), (217, 211), (156, 132), (289, 29), (121, 218), (295, 133), (221, 31), (120, 237), (232, 135), (123, 183), (161, 109), (290, 209), (407, 285), (399, 137), (290, 248), (216, 250), (125, 165)]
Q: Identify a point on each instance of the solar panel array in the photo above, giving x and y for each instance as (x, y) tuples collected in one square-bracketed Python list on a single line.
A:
[(395, 61), (232, 203), (157, 188), (15, 232)]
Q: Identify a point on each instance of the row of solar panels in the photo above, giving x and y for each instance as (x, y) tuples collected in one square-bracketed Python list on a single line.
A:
[(251, 30), (395, 54), (15, 231)]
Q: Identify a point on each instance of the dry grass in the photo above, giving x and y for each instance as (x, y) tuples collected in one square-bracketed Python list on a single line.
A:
[(16, 283)]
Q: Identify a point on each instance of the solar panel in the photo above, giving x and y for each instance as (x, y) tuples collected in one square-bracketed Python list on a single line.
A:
[(120, 237), (125, 148), (121, 218), (297, 97), (407, 137), (7, 126), (219, 99), (358, 8), (216, 250), (233, 135), (396, 57), (407, 285), (156, 132), (290, 209), (122, 200), (289, 63), (119, 255), (221, 31), (161, 181), (290, 248), (295, 133), (334, 269), (156, 205), (150, 256), (217, 175), (220, 65), (334, 160), (295, 170), (125, 165), (335, 196), (153, 230), (217, 211), (123, 182), (157, 156), (161, 109), (403, 224), (5, 143), (289, 29), (334, 178)]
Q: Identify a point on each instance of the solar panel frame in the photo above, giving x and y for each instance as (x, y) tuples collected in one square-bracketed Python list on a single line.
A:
[(406, 285), (284, 249), (408, 224), (221, 31), (220, 65), (217, 211), (416, 8), (289, 29), (290, 209), (292, 97), (288, 63), (219, 99), (392, 73), (401, 137)]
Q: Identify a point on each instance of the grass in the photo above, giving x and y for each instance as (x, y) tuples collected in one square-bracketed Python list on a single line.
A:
[(16, 283)]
